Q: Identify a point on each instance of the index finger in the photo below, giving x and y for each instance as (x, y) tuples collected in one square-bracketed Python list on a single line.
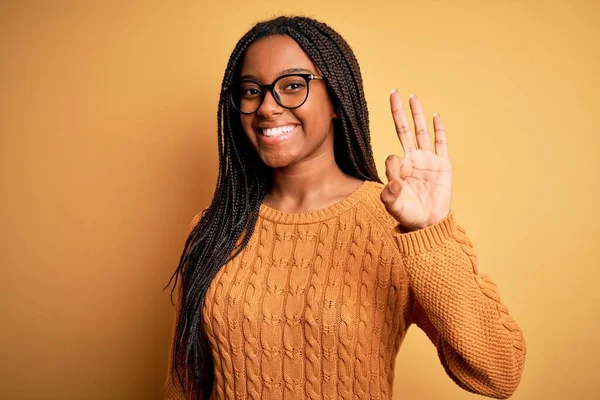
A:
[(402, 128)]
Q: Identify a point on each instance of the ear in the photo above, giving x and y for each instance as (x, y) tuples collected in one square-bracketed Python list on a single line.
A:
[(336, 112)]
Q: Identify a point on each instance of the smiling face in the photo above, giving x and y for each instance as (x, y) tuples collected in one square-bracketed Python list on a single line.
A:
[(304, 133)]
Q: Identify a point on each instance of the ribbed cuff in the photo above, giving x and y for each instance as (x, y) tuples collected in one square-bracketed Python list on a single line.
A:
[(413, 243)]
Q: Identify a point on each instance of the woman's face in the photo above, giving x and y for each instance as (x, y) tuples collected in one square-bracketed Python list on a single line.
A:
[(312, 136)]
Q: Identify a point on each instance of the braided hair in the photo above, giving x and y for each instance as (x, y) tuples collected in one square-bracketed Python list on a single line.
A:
[(243, 181)]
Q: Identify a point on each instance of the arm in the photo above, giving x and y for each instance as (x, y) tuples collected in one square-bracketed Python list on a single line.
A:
[(479, 345)]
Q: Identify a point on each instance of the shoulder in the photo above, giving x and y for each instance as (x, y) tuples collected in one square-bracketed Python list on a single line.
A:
[(372, 205), (372, 194), (382, 225), (196, 219)]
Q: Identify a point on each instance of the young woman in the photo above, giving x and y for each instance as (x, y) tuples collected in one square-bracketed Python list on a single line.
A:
[(302, 277)]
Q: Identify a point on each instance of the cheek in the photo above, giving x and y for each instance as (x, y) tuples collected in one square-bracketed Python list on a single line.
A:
[(246, 121), (317, 115)]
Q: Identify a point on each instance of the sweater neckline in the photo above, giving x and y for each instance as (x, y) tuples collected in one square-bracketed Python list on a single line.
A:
[(331, 211)]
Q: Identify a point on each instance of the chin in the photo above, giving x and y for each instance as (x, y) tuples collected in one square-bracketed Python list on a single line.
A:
[(278, 160)]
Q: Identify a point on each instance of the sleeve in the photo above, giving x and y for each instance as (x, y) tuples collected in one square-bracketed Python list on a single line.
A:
[(478, 343), (172, 387)]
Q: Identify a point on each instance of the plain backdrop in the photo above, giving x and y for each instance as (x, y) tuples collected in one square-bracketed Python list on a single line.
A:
[(108, 149)]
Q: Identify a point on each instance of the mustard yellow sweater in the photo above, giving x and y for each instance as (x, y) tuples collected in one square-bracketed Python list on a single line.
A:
[(318, 303)]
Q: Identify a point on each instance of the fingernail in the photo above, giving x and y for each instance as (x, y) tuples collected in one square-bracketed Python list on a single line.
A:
[(412, 95), (394, 187), (436, 114), (393, 91)]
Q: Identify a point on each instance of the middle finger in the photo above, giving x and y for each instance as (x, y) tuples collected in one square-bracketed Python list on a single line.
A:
[(423, 140), (402, 128)]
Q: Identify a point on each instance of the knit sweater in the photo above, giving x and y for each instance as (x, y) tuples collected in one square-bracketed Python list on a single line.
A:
[(317, 305)]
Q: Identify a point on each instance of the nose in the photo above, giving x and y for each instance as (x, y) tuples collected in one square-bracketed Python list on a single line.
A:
[(269, 105)]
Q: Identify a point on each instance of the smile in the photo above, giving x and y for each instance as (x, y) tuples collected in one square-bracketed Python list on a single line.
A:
[(280, 130), (276, 136)]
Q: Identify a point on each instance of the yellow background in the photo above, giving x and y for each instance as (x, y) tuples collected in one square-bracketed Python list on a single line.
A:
[(108, 148)]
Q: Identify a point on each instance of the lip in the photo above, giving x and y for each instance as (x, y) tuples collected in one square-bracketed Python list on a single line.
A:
[(272, 141), (259, 127)]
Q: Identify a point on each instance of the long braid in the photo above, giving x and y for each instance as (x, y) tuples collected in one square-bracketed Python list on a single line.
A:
[(243, 181), (347, 86)]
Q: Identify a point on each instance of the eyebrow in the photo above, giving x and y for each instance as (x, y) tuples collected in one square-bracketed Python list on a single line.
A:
[(283, 72)]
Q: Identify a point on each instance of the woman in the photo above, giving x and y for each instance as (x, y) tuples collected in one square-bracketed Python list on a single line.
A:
[(302, 277)]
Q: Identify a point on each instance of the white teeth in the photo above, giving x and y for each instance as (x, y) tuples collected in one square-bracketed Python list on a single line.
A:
[(280, 130)]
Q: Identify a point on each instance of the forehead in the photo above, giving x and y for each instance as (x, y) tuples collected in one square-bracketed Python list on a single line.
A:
[(268, 57)]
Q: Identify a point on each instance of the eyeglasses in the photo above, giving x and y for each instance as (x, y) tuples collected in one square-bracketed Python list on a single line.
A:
[(289, 91)]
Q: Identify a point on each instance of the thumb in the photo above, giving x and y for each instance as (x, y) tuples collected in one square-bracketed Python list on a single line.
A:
[(391, 192)]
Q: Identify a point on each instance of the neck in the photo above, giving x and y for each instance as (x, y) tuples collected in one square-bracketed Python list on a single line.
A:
[(309, 185)]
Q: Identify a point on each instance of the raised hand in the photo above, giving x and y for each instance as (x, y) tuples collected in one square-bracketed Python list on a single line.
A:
[(419, 188)]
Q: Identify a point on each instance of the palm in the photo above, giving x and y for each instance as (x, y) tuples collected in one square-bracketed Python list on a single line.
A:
[(422, 179)]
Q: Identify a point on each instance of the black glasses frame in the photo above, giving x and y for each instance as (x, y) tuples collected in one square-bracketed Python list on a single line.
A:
[(271, 88)]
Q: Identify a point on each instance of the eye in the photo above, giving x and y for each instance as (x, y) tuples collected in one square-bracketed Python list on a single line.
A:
[(294, 86), (250, 92)]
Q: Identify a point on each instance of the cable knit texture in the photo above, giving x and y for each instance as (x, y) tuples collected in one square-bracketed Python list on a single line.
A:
[(318, 303)]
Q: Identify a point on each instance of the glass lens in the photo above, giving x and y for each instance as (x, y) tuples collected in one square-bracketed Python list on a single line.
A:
[(246, 96), (292, 91)]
